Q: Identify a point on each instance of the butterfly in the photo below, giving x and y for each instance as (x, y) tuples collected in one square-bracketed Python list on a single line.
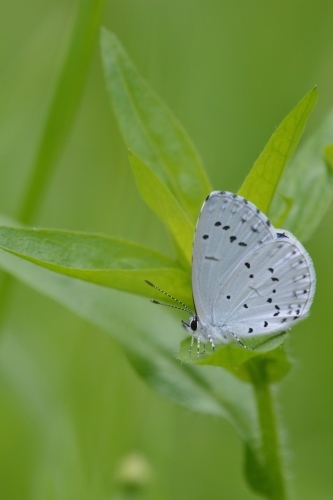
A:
[(249, 280)]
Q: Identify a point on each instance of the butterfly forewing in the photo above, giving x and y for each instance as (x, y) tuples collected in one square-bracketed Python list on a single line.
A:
[(229, 228)]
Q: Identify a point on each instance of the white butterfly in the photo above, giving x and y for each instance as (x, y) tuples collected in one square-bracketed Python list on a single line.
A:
[(248, 279)]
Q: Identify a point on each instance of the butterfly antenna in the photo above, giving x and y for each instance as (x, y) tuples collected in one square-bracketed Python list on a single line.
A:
[(184, 306)]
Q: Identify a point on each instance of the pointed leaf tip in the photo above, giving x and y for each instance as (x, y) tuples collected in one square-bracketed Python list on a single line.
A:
[(261, 183)]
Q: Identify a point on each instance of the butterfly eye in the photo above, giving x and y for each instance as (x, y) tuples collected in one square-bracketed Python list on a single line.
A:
[(194, 324)]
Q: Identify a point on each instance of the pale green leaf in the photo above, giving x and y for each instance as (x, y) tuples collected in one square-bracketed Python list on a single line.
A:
[(98, 259), (150, 342), (235, 358), (262, 181), (150, 129), (160, 199), (306, 188)]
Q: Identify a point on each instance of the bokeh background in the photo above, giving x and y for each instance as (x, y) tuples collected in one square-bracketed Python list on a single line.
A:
[(72, 408)]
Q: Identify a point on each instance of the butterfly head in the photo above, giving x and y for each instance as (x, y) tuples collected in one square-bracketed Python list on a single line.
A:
[(192, 324)]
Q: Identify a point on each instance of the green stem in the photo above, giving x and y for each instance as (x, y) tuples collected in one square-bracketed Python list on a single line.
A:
[(64, 104), (271, 481), (59, 119)]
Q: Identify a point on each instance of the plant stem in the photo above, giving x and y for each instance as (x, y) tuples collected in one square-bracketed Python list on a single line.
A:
[(64, 104), (59, 120), (272, 476)]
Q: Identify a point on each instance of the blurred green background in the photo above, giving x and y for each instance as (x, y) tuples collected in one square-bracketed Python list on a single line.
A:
[(72, 407)]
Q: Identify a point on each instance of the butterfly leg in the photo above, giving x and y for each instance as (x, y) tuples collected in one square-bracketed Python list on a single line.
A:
[(198, 347), (192, 340), (241, 343), (211, 342)]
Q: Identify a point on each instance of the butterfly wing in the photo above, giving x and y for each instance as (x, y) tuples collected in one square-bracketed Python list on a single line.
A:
[(229, 228), (270, 289)]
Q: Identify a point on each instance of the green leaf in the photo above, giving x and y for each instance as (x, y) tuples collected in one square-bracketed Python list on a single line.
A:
[(150, 342), (151, 131), (235, 358), (160, 199), (64, 103), (262, 181), (98, 259), (307, 184)]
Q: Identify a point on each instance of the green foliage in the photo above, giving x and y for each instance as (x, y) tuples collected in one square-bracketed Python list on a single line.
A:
[(160, 199), (306, 188), (261, 183), (64, 104), (151, 131), (95, 258), (237, 360), (232, 383)]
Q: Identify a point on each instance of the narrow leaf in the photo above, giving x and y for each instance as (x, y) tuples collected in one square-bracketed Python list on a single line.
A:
[(64, 103), (98, 259), (160, 199), (151, 131), (306, 188), (262, 181)]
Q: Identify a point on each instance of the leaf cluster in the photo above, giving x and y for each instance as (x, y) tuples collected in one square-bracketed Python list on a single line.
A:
[(70, 267)]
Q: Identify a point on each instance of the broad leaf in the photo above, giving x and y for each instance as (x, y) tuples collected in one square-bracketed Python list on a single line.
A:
[(150, 342), (151, 131), (262, 181), (98, 259)]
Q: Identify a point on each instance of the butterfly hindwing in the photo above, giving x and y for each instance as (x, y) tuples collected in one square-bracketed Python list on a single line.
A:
[(269, 290)]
